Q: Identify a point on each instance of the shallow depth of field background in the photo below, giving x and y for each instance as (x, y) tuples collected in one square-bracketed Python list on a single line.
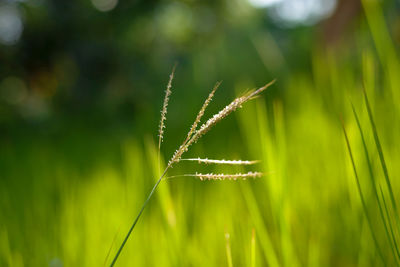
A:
[(81, 89)]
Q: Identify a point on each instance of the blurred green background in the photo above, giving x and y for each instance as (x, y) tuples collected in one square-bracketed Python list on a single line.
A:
[(81, 89)]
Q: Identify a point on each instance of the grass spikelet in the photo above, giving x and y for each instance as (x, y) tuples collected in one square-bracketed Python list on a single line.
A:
[(223, 176), (223, 161), (164, 108), (220, 176), (201, 112)]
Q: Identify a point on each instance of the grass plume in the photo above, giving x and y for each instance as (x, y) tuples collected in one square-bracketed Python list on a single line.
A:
[(210, 123), (193, 136)]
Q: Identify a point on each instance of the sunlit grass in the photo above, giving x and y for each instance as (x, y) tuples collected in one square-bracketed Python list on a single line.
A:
[(60, 209)]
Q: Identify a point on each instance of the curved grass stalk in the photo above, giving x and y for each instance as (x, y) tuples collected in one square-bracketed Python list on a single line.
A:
[(193, 136)]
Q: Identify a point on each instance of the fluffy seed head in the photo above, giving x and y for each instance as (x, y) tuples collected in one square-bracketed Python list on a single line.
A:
[(164, 108)]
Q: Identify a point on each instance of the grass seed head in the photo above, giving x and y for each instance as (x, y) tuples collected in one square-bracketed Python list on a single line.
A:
[(164, 108), (223, 176), (194, 136), (223, 161)]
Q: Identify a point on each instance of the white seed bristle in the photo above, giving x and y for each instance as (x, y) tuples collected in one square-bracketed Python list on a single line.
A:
[(223, 161)]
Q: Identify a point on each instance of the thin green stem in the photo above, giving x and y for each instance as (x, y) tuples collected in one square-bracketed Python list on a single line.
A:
[(138, 216)]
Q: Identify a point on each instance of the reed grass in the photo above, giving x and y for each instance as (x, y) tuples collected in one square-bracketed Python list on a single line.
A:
[(194, 134), (310, 212)]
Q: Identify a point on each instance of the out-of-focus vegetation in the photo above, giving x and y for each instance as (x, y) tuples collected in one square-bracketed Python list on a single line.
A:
[(81, 86)]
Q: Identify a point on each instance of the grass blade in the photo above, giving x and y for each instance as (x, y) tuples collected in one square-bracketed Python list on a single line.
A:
[(390, 225), (391, 239), (361, 194), (380, 153), (228, 250), (253, 248), (264, 237)]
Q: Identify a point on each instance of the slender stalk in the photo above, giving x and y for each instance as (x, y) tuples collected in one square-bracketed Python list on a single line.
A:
[(111, 246), (138, 216)]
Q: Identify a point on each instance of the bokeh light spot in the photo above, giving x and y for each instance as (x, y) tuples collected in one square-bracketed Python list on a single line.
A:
[(263, 3), (10, 24), (306, 12), (296, 12), (175, 22), (104, 5), (13, 90)]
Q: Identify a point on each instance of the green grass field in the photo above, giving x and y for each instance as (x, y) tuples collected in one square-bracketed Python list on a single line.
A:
[(70, 202)]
